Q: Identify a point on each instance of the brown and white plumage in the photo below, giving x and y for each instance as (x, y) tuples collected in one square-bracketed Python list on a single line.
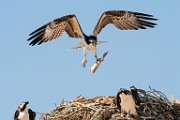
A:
[(56, 28), (124, 20), (23, 113), (127, 102)]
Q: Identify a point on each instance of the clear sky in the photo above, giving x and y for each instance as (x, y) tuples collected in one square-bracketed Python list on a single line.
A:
[(46, 74)]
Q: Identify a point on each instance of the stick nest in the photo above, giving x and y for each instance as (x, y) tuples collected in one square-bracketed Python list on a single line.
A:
[(154, 106)]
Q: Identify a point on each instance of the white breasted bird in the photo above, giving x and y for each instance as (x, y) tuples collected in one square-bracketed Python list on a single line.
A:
[(126, 102), (23, 113), (124, 20)]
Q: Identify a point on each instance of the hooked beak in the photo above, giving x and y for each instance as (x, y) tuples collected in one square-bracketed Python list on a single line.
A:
[(26, 102)]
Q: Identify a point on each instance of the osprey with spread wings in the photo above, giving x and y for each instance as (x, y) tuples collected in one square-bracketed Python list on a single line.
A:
[(124, 20)]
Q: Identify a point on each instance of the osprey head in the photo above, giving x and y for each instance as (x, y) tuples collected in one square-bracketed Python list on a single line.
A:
[(133, 88), (22, 106), (124, 90), (92, 40)]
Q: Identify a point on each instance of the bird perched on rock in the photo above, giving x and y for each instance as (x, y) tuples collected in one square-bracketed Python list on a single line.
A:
[(126, 102), (124, 20), (23, 113)]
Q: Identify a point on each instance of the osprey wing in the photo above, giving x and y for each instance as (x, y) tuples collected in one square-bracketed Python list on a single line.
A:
[(118, 100), (134, 92), (56, 28), (124, 20), (16, 115), (32, 114)]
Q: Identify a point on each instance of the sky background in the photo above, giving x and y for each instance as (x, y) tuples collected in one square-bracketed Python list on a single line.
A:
[(46, 74)]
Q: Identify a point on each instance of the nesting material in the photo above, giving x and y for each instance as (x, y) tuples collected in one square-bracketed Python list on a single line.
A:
[(154, 106), (97, 63)]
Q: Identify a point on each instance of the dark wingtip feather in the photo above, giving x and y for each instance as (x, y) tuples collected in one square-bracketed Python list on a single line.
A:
[(40, 42), (147, 18), (142, 27), (41, 28), (35, 35), (142, 14), (155, 19), (36, 40), (31, 44)]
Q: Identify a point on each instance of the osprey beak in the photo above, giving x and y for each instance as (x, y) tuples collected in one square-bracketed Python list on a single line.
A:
[(26, 102)]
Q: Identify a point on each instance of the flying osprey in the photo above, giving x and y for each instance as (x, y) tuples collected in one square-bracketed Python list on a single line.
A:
[(127, 101), (124, 20), (23, 113)]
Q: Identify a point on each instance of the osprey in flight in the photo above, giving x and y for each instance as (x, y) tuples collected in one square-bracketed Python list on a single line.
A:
[(124, 20)]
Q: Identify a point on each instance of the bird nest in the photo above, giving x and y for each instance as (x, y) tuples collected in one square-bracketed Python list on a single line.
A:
[(154, 106)]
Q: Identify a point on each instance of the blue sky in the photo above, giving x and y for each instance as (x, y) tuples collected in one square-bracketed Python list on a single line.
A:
[(46, 74)]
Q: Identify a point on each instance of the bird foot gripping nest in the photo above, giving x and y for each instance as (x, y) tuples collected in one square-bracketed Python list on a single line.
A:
[(98, 62)]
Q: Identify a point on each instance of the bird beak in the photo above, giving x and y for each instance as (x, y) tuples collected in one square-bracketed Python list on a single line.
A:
[(26, 102)]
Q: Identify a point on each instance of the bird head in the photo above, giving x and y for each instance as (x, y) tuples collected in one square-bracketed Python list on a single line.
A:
[(93, 37), (92, 40), (133, 88), (124, 90), (23, 105)]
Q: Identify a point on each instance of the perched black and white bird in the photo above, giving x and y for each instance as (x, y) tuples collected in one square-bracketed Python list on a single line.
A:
[(126, 102), (124, 20), (23, 113)]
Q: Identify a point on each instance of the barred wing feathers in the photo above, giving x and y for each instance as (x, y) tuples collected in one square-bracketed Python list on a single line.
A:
[(124, 20), (56, 28)]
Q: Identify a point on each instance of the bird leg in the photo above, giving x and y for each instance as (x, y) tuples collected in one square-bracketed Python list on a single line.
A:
[(122, 113), (125, 114), (95, 55), (84, 61), (128, 114)]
